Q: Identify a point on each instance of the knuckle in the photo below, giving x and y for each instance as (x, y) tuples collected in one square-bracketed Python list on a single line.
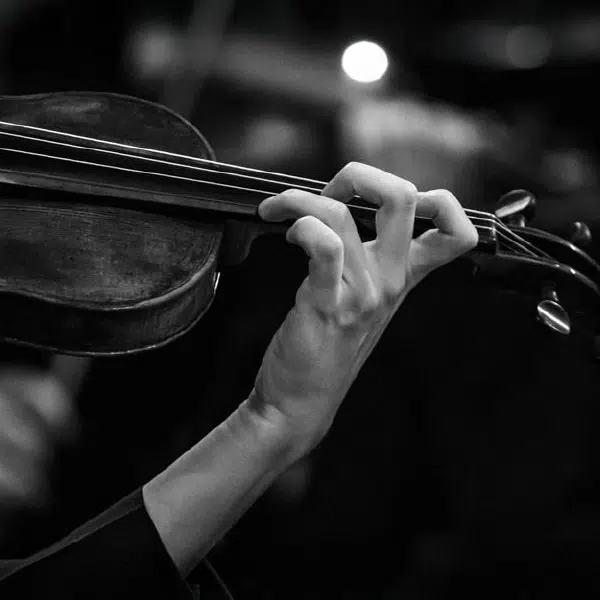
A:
[(290, 196), (330, 249), (337, 213), (365, 307), (296, 230), (391, 292), (352, 168), (353, 172), (410, 197), (409, 189), (371, 303), (404, 193), (447, 197), (400, 184)]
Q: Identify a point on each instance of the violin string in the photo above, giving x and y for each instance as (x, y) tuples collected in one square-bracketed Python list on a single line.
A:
[(501, 227), (163, 162), (129, 170), (266, 193), (175, 155), (511, 243), (503, 231), (320, 185), (140, 148), (516, 241), (317, 188), (479, 227), (521, 247)]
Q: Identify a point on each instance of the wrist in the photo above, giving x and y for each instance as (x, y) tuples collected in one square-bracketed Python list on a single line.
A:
[(289, 438), (197, 498)]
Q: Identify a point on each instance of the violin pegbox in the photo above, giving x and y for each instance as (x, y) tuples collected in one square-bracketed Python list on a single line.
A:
[(544, 263)]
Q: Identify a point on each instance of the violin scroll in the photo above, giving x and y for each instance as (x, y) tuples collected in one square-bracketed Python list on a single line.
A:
[(561, 279)]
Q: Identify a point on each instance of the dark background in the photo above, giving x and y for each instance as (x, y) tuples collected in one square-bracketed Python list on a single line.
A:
[(464, 462)]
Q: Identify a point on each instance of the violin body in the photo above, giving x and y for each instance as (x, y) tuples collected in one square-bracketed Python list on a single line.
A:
[(115, 220), (93, 278)]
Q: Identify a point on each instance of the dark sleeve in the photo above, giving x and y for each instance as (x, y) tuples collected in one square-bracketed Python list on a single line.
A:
[(117, 555)]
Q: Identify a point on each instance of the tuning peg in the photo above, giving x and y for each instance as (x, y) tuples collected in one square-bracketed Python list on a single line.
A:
[(580, 234), (552, 314), (516, 208)]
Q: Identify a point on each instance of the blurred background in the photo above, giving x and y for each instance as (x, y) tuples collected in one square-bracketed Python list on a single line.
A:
[(465, 461)]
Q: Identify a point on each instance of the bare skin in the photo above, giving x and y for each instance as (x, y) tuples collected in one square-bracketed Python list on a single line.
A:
[(350, 294)]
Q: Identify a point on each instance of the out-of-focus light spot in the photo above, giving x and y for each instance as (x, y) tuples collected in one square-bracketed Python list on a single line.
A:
[(271, 136), (364, 61), (527, 47), (568, 169), (153, 50)]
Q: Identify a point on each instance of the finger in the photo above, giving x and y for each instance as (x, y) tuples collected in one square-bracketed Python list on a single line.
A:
[(454, 234), (294, 204), (326, 253), (396, 198)]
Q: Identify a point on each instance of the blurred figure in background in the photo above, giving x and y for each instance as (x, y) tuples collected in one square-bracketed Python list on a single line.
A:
[(37, 419), (432, 142), (40, 426), (478, 154), (38, 412)]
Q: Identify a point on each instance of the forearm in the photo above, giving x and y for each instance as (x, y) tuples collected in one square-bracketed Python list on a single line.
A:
[(202, 494)]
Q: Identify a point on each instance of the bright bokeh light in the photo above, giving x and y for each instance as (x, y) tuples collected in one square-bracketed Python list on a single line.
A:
[(153, 49), (365, 61)]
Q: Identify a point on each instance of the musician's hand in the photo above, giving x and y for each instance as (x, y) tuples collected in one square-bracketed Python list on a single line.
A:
[(35, 414), (352, 290), (342, 307)]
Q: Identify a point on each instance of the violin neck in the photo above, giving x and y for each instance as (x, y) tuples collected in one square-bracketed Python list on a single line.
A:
[(54, 160)]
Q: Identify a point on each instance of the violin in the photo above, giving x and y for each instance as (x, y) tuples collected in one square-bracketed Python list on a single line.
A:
[(116, 221)]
